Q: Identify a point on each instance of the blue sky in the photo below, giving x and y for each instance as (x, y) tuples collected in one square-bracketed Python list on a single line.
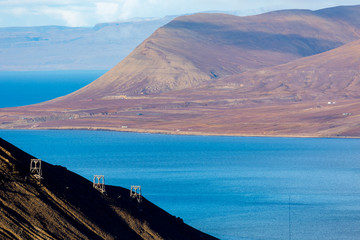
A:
[(89, 12)]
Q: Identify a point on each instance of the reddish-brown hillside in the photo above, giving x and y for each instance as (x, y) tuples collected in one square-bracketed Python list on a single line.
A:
[(331, 75), (284, 73), (196, 49)]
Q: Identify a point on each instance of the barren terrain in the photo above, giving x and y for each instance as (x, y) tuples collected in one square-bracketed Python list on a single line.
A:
[(64, 205), (283, 73)]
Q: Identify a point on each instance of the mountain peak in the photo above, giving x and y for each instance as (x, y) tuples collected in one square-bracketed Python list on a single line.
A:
[(201, 48), (200, 73)]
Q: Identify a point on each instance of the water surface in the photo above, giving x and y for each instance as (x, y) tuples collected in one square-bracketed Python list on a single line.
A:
[(24, 88), (230, 187)]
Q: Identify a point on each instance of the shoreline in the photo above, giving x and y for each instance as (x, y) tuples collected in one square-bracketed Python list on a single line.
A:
[(182, 133)]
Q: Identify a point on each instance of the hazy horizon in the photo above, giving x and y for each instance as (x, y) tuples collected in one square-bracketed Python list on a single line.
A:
[(76, 13)]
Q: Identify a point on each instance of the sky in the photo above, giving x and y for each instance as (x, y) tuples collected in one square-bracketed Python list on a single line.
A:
[(79, 13)]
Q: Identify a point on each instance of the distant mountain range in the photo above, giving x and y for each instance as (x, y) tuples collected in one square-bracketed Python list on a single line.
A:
[(67, 48), (282, 73)]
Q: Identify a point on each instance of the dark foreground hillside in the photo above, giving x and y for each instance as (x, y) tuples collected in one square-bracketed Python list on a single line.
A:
[(66, 206)]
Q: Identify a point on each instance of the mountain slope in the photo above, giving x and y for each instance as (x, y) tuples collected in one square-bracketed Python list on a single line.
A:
[(167, 84), (196, 49), (66, 206), (331, 75)]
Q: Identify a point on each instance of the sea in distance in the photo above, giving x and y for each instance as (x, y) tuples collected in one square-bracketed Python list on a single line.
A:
[(230, 187), (233, 188), (30, 87)]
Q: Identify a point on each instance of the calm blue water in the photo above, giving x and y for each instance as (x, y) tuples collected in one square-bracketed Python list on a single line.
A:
[(23, 88), (231, 187)]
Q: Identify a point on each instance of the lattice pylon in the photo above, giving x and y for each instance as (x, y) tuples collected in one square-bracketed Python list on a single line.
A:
[(135, 192), (35, 168), (99, 183)]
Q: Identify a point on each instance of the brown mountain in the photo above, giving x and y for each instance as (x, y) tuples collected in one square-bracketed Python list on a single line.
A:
[(284, 73), (66, 206), (196, 49), (332, 75)]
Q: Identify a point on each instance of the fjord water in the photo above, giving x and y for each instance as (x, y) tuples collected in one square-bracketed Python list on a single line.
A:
[(230, 187), (24, 88)]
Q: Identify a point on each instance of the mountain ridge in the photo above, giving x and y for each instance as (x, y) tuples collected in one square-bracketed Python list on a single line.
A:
[(311, 74), (72, 48), (66, 206), (196, 49), (224, 75)]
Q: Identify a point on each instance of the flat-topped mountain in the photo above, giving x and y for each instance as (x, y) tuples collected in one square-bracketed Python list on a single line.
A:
[(72, 48), (201, 48), (66, 206), (283, 73)]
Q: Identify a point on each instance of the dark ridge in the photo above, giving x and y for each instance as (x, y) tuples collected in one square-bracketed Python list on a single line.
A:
[(66, 206)]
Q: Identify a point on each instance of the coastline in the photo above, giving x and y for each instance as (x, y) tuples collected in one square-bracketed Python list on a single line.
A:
[(183, 133)]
